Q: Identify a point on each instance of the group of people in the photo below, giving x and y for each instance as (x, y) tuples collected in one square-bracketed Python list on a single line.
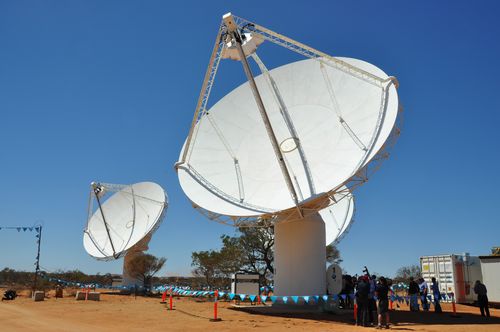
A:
[(420, 289), (369, 289)]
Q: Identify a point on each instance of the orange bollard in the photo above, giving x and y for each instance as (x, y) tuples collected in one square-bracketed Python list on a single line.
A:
[(164, 297), (390, 303), (215, 319), (356, 312), (454, 308), (170, 302), (86, 294), (258, 300)]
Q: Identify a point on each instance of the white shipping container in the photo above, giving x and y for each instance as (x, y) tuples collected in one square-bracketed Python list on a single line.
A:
[(455, 274), (490, 267)]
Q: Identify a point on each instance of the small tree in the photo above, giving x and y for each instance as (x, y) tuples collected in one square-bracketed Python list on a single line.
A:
[(250, 252), (332, 255), (206, 265), (405, 272), (145, 266)]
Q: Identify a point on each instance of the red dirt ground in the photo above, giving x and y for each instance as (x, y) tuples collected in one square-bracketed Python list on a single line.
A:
[(124, 313)]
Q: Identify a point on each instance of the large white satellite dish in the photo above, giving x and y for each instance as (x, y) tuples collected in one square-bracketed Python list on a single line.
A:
[(232, 152), (128, 216), (284, 145)]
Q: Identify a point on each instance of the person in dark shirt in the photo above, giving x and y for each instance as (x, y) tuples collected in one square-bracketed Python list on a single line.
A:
[(482, 298), (372, 303), (348, 290), (362, 291), (413, 293), (382, 291)]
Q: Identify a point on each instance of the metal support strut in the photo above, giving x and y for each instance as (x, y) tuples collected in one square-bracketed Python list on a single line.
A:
[(104, 221), (234, 33), (289, 123)]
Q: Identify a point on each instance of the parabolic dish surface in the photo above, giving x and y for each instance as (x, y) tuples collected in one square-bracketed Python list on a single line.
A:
[(131, 214), (338, 217), (231, 168)]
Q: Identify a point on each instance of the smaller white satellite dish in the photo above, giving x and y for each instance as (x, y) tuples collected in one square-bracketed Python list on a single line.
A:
[(334, 279), (120, 221), (339, 216)]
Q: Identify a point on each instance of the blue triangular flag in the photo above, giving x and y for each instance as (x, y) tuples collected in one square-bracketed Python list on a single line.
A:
[(263, 298), (316, 298), (285, 299), (221, 294), (273, 299), (335, 297), (231, 296), (295, 299), (343, 296), (306, 299), (252, 298), (242, 297), (325, 298)]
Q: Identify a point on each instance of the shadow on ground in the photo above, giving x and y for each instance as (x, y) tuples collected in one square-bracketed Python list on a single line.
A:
[(403, 320)]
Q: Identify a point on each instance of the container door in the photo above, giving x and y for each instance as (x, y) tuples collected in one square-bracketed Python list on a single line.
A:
[(445, 274), (459, 282)]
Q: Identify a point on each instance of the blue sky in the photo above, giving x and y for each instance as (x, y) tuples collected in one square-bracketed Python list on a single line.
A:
[(105, 90)]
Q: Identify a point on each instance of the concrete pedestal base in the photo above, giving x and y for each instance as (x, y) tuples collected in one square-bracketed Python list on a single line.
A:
[(80, 296), (38, 296), (300, 257)]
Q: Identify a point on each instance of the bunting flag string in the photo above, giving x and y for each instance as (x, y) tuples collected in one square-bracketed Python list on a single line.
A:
[(38, 235), (295, 299)]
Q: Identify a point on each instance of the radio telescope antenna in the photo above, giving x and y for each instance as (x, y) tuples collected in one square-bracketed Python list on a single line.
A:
[(124, 220), (287, 147)]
